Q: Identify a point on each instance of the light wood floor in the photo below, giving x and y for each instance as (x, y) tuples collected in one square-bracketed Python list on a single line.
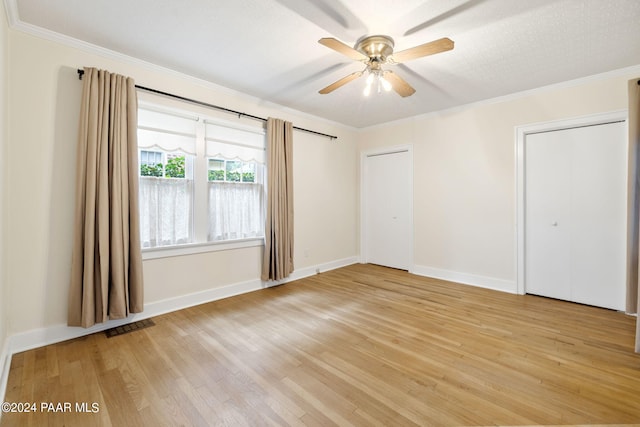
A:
[(363, 345)]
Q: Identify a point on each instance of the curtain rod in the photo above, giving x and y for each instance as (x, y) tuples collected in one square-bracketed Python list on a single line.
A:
[(217, 107)]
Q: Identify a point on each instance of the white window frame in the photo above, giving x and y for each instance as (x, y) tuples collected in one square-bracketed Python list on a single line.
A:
[(224, 169), (200, 178)]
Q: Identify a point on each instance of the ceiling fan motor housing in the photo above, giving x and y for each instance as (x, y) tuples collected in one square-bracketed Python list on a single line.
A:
[(377, 48)]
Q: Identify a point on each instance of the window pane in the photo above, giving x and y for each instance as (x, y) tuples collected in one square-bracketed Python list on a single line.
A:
[(235, 211), (236, 208), (175, 167), (216, 164), (165, 211), (166, 198), (151, 163), (234, 171), (216, 169), (162, 164), (248, 172)]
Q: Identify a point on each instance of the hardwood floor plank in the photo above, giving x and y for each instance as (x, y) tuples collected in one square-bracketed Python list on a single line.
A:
[(278, 401), (359, 346), (121, 408), (320, 408)]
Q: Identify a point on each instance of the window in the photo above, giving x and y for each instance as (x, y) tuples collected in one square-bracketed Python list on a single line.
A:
[(151, 163), (166, 144), (160, 164), (231, 171), (235, 175), (201, 180)]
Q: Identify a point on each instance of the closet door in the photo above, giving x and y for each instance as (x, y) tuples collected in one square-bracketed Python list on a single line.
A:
[(548, 190), (387, 211), (575, 214)]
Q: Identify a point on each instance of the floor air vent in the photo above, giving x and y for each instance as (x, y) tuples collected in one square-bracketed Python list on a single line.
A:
[(130, 327)]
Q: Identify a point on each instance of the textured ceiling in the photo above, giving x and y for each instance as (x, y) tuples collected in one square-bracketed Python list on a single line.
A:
[(269, 49)]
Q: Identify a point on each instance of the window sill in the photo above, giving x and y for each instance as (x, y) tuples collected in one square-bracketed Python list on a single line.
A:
[(198, 248)]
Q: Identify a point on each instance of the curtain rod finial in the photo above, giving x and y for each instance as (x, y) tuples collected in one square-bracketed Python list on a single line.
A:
[(80, 74)]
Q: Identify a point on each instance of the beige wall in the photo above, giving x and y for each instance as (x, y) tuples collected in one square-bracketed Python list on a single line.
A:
[(464, 181), (3, 143), (464, 174), (44, 102)]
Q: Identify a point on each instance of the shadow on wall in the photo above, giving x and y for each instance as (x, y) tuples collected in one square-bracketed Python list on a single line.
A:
[(62, 195)]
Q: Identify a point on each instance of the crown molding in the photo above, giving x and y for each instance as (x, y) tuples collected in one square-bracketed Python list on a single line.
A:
[(16, 24), (627, 71), (90, 48), (11, 9)]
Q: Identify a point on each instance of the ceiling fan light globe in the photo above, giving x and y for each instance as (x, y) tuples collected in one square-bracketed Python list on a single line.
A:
[(370, 79), (385, 84)]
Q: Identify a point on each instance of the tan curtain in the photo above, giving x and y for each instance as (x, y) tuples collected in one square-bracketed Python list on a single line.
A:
[(278, 251), (106, 268), (633, 297)]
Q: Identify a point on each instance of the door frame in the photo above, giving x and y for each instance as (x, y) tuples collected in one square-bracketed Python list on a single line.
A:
[(521, 135), (363, 194)]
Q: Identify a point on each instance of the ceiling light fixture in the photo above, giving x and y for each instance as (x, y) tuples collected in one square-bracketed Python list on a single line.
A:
[(376, 77), (375, 51)]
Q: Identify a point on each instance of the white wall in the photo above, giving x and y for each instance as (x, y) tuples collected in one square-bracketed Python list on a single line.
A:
[(465, 178), (43, 111)]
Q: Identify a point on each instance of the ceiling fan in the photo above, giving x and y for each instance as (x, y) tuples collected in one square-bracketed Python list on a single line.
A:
[(376, 51)]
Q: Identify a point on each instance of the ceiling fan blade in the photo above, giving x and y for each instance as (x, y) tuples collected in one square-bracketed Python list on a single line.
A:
[(436, 46), (343, 81), (342, 48), (399, 84), (333, 16), (426, 9)]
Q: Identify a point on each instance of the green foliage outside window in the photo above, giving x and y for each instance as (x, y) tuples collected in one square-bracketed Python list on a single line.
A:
[(151, 170), (233, 176), (175, 167), (236, 171), (216, 175)]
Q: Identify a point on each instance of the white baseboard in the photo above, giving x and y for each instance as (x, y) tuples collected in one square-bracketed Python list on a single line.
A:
[(57, 333), (320, 268), (5, 364), (493, 283)]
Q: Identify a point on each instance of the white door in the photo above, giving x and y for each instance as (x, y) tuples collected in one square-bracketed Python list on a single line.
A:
[(387, 209), (575, 214)]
